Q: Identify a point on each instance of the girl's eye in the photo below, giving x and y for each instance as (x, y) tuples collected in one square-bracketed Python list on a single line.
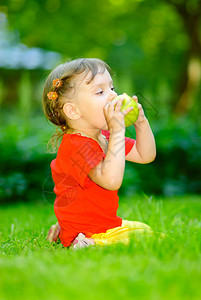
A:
[(101, 92)]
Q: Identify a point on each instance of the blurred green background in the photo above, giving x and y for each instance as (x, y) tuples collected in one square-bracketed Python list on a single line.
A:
[(154, 49)]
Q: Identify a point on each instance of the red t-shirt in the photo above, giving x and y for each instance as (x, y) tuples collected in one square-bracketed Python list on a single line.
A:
[(81, 205)]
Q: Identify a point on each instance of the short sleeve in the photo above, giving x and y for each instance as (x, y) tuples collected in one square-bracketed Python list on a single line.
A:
[(81, 155), (129, 143)]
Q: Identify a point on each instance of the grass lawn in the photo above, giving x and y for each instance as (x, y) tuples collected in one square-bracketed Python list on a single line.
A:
[(32, 268)]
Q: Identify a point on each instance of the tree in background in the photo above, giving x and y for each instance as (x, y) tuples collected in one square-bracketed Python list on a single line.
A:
[(154, 46), (189, 81)]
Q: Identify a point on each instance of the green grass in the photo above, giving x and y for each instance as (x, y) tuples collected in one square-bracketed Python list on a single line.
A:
[(32, 268)]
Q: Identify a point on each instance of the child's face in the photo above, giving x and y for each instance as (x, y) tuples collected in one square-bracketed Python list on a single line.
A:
[(92, 97)]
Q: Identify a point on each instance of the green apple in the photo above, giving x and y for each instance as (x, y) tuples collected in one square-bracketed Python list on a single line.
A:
[(132, 116)]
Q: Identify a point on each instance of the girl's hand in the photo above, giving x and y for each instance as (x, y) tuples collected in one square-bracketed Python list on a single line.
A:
[(141, 116), (114, 116)]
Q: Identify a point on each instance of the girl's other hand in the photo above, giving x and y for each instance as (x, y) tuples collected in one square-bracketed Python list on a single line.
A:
[(141, 116)]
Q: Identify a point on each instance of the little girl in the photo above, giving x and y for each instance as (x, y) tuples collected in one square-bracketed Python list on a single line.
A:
[(89, 167)]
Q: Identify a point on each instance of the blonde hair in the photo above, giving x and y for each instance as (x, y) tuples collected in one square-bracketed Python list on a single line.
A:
[(66, 73)]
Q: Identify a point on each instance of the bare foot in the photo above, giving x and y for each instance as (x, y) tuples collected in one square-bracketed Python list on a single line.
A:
[(53, 233), (81, 242)]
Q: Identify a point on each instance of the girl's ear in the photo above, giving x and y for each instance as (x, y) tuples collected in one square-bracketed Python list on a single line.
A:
[(71, 111)]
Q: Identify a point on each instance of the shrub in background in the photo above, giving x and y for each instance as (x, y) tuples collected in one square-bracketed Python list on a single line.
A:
[(25, 163), (176, 169)]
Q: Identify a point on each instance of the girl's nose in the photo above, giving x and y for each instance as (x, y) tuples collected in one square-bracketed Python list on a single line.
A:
[(113, 94)]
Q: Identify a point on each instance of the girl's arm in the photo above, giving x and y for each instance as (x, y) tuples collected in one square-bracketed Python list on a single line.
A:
[(144, 149), (109, 172)]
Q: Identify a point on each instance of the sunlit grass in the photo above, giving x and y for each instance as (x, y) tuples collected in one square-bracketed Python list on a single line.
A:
[(152, 268)]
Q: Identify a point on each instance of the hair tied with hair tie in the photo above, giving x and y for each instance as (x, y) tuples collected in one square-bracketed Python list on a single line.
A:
[(52, 95), (63, 128), (57, 83)]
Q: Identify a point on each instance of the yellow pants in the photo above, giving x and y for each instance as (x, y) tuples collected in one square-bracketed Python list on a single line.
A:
[(122, 233)]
